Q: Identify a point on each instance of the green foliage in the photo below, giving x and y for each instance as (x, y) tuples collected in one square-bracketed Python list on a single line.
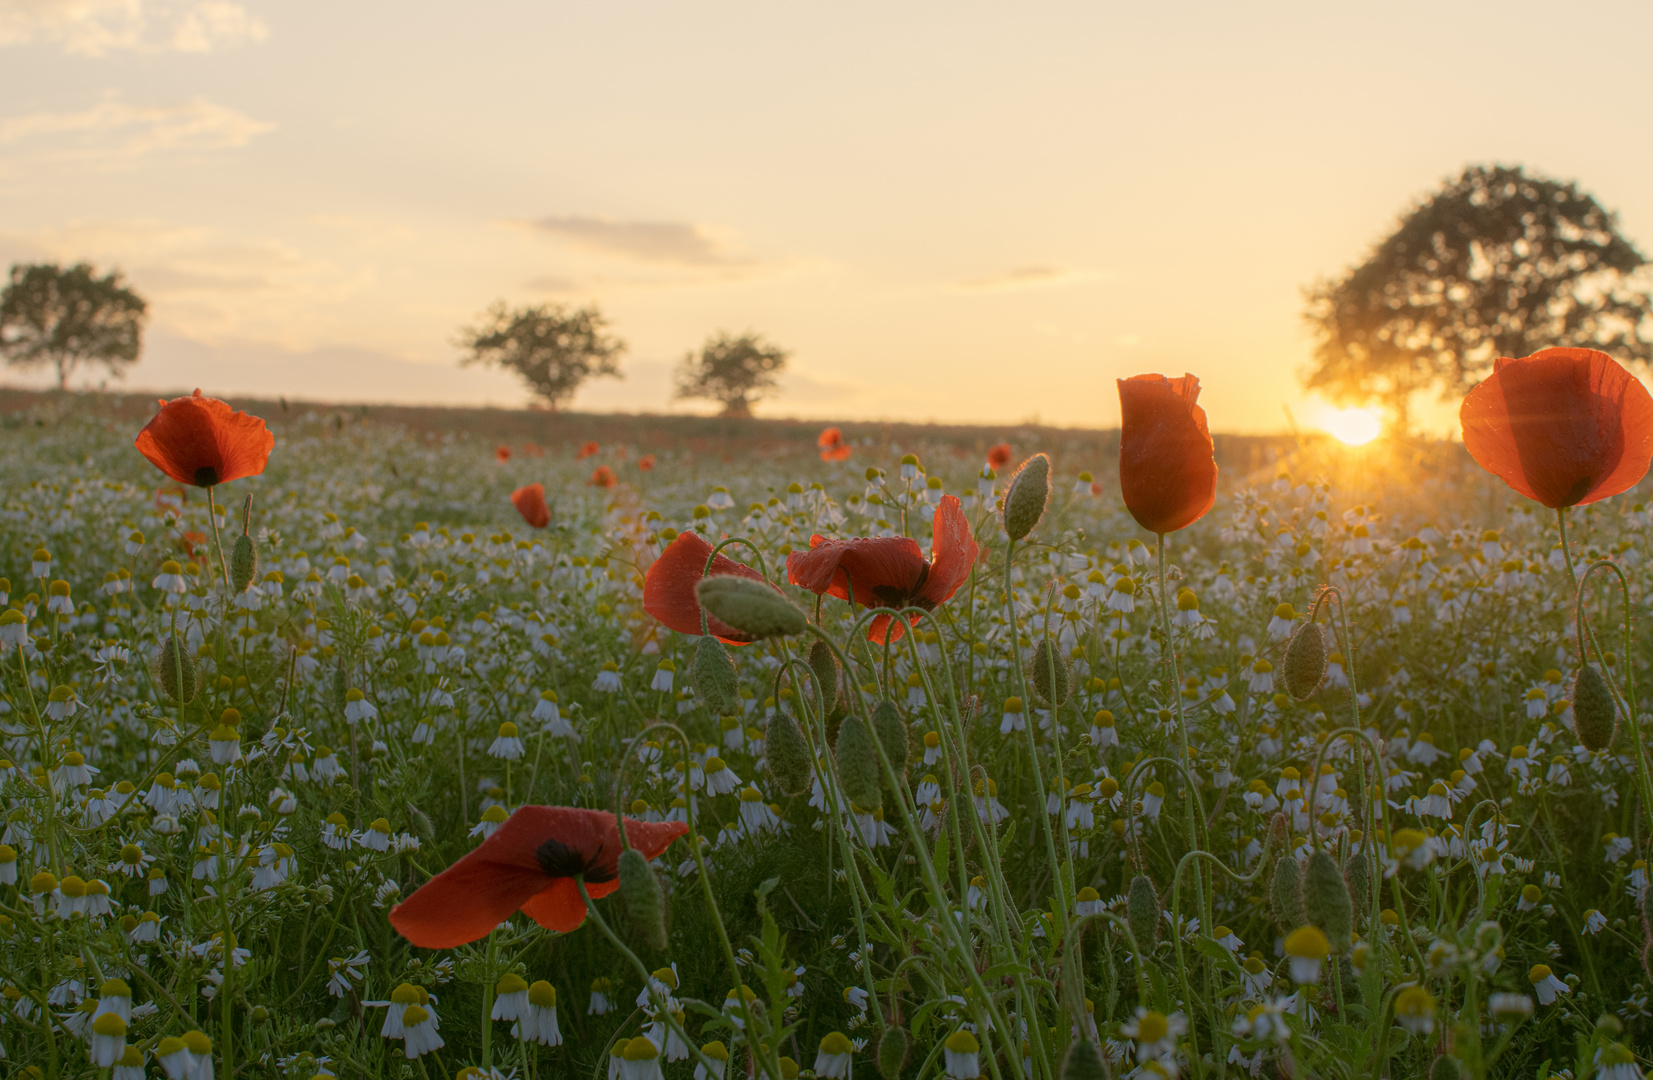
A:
[(65, 319), (552, 349), (734, 371)]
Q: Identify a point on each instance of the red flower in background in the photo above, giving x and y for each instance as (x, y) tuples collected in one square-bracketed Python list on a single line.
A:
[(201, 441), (668, 587), (998, 456), (189, 540), (890, 572), (502, 453), (602, 476), (530, 503), (1167, 469), (528, 865), (646, 463), (833, 447), (1565, 427), (532, 449), (587, 450)]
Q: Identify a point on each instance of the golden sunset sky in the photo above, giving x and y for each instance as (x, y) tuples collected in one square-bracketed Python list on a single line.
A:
[(952, 212)]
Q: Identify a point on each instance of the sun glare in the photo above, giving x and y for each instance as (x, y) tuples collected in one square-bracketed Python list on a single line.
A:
[(1353, 427)]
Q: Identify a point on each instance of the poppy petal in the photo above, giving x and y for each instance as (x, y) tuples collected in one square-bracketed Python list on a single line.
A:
[(464, 902), (1167, 469), (560, 908), (883, 571), (953, 553), (669, 587), (201, 441), (530, 503)]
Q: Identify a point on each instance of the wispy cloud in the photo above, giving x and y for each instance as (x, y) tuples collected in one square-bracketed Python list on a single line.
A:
[(115, 133), (100, 27), (1031, 276), (670, 243)]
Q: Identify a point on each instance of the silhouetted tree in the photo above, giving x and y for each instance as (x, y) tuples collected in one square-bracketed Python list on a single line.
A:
[(61, 318), (735, 371), (553, 349), (1496, 263)]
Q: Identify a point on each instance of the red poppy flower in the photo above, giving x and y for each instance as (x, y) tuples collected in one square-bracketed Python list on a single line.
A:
[(668, 587), (832, 445), (998, 456), (602, 476), (201, 441), (1563, 426), (645, 463), (890, 572), (502, 453), (587, 450), (1167, 469), (530, 503), (189, 540), (528, 865)]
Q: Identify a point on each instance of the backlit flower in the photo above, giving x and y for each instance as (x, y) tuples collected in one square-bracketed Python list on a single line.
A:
[(530, 503), (832, 445), (1167, 470), (199, 440), (669, 587)]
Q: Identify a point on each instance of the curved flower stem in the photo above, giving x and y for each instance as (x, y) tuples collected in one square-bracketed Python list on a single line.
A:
[(217, 541)]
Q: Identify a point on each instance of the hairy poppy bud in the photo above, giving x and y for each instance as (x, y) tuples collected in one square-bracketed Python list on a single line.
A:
[(1142, 912), (175, 671), (1595, 715), (1285, 895), (1359, 879), (788, 753), (858, 765), (1024, 501), (645, 902), (892, 735), (752, 607), (1305, 666), (1049, 671), (1445, 1068), (243, 562), (892, 1052), (1326, 900), (825, 666), (714, 676), (1083, 1061), (421, 824)]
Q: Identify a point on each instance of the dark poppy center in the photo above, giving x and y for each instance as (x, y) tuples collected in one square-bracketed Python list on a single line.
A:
[(206, 476), (890, 596), (557, 859)]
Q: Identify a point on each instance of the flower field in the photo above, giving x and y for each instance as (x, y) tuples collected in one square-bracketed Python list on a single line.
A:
[(956, 763)]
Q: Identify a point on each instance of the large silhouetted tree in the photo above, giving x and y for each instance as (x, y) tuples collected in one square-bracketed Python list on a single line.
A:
[(52, 317), (551, 348), (735, 371), (1495, 263)]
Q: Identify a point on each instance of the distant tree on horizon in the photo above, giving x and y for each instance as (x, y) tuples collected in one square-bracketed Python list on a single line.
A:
[(1495, 263), (734, 371), (553, 350), (52, 317)]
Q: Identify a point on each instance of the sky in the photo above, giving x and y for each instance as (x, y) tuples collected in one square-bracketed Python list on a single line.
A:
[(956, 212)]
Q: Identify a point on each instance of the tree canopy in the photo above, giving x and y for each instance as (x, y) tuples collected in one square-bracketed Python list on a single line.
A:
[(52, 317), (1495, 263), (554, 350), (735, 371)]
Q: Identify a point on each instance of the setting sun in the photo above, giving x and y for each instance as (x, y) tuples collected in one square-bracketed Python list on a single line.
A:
[(1354, 427)]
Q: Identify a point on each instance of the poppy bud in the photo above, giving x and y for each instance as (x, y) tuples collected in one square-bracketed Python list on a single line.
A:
[(1083, 1061), (175, 671), (892, 1052), (752, 607), (714, 676), (1595, 714), (645, 903), (1359, 879), (825, 666), (892, 735), (243, 562), (1024, 501), (858, 765), (1326, 900), (421, 824), (1305, 666), (1049, 671), (788, 753), (1143, 911), (1445, 1068), (1285, 895)]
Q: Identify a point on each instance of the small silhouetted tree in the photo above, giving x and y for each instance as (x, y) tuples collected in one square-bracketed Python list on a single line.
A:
[(1496, 263), (735, 371), (52, 317), (554, 350)]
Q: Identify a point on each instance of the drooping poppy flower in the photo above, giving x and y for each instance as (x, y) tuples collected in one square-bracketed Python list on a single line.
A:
[(645, 463), (602, 476), (832, 445), (529, 864), (201, 441), (1167, 467), (669, 587), (1565, 427), (890, 571), (502, 453), (998, 456), (588, 450), (530, 503)]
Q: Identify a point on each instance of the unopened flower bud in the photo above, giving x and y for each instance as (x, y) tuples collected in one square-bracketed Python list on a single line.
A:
[(243, 562), (858, 765), (827, 672), (752, 607), (892, 735), (788, 753), (1048, 670), (645, 902), (1595, 715), (175, 671), (892, 1052), (1142, 912), (1083, 1062), (715, 683), (1326, 900), (1025, 499), (1285, 895), (1305, 664)]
